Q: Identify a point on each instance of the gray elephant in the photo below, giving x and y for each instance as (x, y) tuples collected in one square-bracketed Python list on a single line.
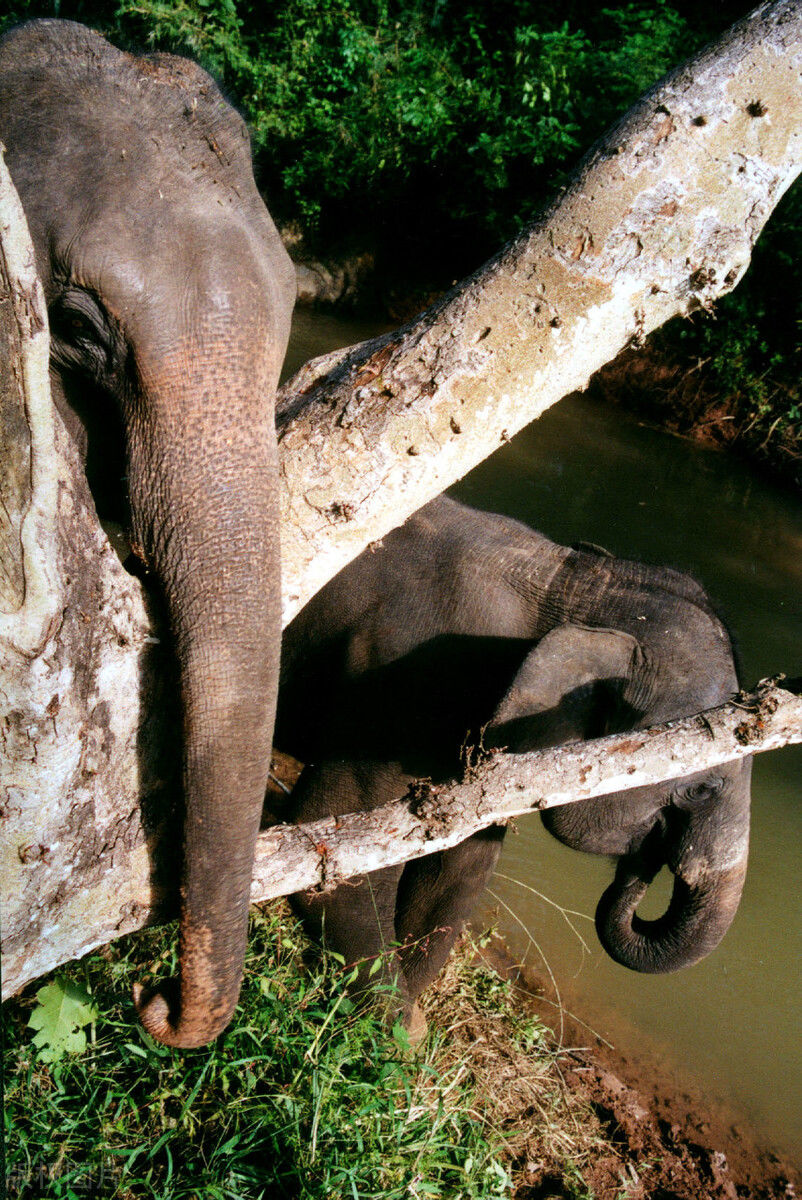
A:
[(466, 626), (169, 297)]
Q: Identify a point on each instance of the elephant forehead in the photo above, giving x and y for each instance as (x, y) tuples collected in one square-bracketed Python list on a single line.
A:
[(93, 148), (89, 95), (193, 276)]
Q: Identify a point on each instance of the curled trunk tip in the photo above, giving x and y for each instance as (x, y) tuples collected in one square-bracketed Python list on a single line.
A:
[(692, 926), (158, 1011)]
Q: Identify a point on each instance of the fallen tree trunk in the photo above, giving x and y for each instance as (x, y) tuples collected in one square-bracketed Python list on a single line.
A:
[(661, 217), (501, 786)]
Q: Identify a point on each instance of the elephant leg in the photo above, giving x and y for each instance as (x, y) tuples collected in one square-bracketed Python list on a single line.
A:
[(435, 898), (357, 918)]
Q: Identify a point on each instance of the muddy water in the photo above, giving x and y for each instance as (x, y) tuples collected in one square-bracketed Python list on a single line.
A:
[(584, 473)]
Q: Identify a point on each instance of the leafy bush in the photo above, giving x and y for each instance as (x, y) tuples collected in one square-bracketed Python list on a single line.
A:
[(457, 118), (368, 107)]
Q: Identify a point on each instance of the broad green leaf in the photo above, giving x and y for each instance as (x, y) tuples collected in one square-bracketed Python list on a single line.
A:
[(62, 1009)]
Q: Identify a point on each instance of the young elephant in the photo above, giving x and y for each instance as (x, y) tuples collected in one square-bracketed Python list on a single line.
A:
[(465, 626)]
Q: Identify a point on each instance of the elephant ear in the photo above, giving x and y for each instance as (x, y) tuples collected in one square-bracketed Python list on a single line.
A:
[(576, 683), (592, 548)]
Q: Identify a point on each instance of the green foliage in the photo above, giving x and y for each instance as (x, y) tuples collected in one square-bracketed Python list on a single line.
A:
[(62, 1009), (365, 111), (750, 353), (357, 105), (305, 1096), (430, 130)]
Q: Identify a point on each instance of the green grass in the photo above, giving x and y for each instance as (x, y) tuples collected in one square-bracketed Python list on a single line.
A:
[(303, 1097)]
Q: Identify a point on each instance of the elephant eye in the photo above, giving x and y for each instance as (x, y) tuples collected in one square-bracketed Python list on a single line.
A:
[(700, 791), (81, 336)]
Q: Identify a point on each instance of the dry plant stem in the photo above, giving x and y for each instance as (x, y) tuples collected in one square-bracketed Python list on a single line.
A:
[(502, 786), (660, 219)]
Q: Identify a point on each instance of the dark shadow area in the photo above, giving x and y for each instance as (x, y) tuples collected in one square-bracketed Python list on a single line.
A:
[(419, 710)]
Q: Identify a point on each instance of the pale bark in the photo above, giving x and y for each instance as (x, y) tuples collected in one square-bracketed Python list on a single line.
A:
[(501, 786), (81, 711), (661, 217), (429, 818)]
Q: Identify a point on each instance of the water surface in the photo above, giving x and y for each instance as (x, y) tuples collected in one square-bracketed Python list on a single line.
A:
[(584, 472)]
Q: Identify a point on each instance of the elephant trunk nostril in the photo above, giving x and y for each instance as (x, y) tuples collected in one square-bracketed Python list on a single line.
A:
[(627, 938), (160, 1012), (156, 1012)]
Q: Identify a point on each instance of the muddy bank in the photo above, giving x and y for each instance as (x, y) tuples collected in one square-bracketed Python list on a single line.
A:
[(663, 1140)]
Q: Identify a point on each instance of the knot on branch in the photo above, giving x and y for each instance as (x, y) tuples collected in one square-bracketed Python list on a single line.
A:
[(760, 704), (427, 805)]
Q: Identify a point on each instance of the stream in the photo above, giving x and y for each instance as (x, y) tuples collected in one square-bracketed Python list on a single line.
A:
[(585, 472)]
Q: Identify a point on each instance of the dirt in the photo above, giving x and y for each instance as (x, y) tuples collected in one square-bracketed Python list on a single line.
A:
[(668, 1142)]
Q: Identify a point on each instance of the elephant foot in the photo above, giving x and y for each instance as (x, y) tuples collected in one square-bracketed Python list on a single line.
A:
[(416, 1026)]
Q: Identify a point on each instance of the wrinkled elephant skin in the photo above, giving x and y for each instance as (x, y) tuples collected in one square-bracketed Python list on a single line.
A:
[(169, 295)]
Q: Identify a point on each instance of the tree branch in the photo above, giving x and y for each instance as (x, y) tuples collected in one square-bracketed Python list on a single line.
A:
[(430, 818)]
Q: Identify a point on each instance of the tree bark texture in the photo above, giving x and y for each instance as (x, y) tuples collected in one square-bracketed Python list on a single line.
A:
[(82, 714), (501, 786), (661, 217)]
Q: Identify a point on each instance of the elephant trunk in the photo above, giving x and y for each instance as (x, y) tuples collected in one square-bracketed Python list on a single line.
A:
[(698, 916), (205, 515)]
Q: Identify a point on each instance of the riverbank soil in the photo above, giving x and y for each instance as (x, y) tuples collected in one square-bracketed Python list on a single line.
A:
[(647, 1138)]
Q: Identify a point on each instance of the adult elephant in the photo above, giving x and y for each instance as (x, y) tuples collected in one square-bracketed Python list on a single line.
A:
[(170, 296), (465, 626)]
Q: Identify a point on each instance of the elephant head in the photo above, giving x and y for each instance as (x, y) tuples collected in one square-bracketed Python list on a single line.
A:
[(170, 297), (582, 682)]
